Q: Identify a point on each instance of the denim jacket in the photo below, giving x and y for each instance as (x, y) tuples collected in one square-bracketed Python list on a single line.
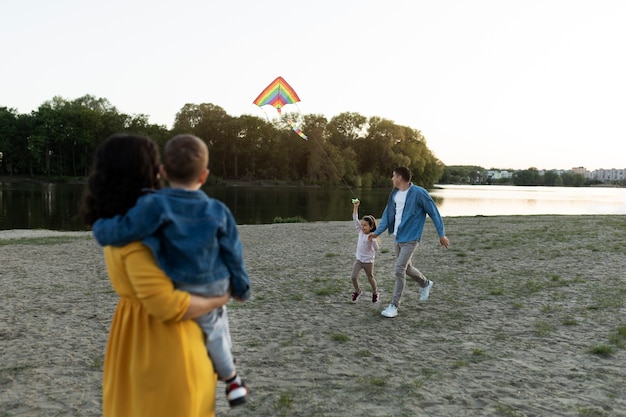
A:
[(418, 204), (194, 238)]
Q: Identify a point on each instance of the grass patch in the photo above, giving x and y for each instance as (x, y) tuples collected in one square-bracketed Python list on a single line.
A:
[(547, 309), (97, 362), (331, 287), (8, 373), (543, 328), (602, 350), (496, 291), (618, 337), (296, 219), (364, 353), (285, 401), (478, 352), (505, 410), (38, 241), (339, 337), (591, 412)]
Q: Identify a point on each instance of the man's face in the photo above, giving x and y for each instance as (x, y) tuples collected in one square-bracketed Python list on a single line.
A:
[(396, 180)]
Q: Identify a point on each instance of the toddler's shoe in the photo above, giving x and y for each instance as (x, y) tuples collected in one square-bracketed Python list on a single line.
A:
[(375, 297), (236, 393), (356, 295)]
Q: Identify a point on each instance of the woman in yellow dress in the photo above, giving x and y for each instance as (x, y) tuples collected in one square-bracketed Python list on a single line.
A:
[(156, 363)]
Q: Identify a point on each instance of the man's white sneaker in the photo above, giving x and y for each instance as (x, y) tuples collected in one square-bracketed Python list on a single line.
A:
[(390, 311), (425, 292)]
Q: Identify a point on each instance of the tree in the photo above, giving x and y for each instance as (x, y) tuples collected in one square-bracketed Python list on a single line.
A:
[(8, 139), (211, 124), (59, 138), (551, 178), (527, 177)]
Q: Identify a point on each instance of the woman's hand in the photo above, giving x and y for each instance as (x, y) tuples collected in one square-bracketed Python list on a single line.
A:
[(199, 305)]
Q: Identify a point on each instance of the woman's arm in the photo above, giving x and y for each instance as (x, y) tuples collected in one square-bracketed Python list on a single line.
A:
[(199, 305), (156, 291)]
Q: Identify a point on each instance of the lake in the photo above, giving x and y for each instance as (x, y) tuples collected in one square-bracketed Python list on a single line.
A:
[(30, 205)]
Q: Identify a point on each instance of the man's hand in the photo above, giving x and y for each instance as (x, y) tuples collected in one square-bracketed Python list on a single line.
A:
[(444, 241)]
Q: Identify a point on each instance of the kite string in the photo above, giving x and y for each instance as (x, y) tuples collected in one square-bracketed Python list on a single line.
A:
[(336, 169)]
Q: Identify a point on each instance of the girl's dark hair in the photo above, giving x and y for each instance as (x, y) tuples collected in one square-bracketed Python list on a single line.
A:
[(371, 221), (123, 167)]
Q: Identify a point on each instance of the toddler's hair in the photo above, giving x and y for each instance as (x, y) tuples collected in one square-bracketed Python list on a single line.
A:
[(371, 221), (185, 157)]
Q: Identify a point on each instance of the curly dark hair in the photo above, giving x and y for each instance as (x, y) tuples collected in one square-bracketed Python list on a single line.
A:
[(124, 166)]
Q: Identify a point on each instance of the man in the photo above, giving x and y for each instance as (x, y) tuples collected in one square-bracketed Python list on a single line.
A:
[(404, 217)]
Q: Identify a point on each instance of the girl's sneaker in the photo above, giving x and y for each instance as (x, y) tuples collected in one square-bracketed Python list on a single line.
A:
[(356, 295), (375, 297)]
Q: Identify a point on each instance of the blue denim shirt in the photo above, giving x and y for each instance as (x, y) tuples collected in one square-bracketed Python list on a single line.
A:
[(418, 204), (194, 238)]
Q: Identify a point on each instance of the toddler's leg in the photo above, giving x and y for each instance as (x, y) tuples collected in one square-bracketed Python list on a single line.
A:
[(219, 344)]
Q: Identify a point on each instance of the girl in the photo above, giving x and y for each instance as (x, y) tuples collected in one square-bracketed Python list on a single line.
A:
[(365, 253)]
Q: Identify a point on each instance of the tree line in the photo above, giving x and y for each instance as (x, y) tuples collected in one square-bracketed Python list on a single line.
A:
[(471, 174), (59, 138)]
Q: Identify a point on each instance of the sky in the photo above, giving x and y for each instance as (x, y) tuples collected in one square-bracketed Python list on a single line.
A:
[(505, 84)]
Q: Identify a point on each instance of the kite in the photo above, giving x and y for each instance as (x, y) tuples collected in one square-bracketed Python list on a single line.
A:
[(278, 94)]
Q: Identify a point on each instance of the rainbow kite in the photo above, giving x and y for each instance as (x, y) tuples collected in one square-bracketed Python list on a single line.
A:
[(277, 94)]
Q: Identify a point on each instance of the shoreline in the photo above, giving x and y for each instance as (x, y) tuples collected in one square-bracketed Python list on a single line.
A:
[(524, 319), (268, 183)]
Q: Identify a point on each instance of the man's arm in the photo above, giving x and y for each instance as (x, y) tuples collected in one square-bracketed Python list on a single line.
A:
[(433, 212)]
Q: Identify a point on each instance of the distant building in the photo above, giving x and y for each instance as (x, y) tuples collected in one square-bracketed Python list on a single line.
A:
[(499, 175), (609, 175)]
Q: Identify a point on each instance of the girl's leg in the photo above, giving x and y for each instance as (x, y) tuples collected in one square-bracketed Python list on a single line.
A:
[(355, 272), (369, 271)]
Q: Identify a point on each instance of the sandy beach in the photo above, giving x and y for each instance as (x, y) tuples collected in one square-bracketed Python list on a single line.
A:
[(527, 317)]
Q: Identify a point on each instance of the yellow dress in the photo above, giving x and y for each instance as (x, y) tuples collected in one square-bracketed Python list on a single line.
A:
[(155, 363)]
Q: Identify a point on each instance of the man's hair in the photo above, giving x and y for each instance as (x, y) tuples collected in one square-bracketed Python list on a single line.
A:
[(404, 172), (185, 157)]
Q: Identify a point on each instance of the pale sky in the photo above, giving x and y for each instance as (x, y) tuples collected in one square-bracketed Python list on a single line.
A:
[(495, 83)]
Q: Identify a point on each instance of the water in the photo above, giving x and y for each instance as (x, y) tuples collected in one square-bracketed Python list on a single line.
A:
[(55, 206), (494, 200)]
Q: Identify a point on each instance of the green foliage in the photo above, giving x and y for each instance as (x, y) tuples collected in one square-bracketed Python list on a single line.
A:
[(59, 138)]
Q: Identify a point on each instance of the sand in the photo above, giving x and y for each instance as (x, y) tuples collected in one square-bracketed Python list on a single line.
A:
[(527, 317)]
